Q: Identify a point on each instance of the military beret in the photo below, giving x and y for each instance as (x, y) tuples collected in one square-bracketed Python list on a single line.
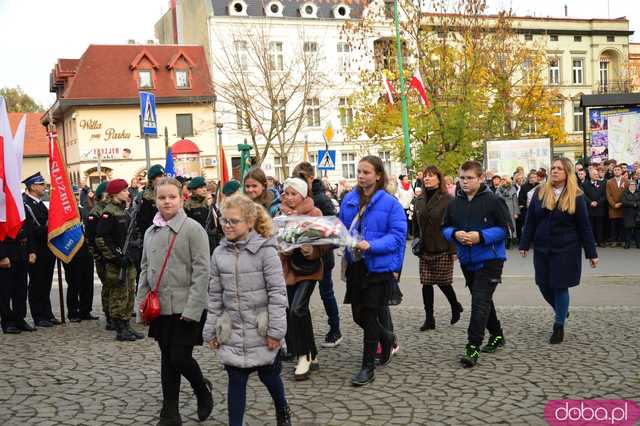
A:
[(116, 185), (101, 188), (155, 171), (230, 187), (197, 182)]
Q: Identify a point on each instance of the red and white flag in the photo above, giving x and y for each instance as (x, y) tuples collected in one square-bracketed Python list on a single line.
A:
[(416, 83), (388, 89), (11, 149)]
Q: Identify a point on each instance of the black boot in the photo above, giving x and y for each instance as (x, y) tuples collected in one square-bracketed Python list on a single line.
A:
[(169, 415), (132, 331), (387, 343), (429, 323), (122, 334), (284, 416), (456, 310), (558, 334), (366, 374), (627, 243), (205, 401), (109, 326)]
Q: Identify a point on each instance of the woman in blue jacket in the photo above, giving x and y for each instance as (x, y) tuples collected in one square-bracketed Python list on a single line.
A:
[(372, 269), (557, 224)]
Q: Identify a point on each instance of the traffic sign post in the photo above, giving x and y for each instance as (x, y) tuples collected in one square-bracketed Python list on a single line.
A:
[(148, 121), (326, 160)]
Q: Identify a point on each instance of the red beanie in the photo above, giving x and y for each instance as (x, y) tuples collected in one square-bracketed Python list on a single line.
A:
[(116, 186)]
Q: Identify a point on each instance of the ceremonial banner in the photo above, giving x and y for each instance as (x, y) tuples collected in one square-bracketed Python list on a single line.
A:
[(11, 147), (65, 230)]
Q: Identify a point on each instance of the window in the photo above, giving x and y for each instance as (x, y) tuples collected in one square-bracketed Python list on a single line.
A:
[(184, 124), (385, 156), (441, 35), (349, 165), (558, 109), (277, 167), (346, 112), (553, 37), (313, 159), (389, 9), (313, 112), (554, 71), (577, 38), (526, 70), (242, 118), (528, 37), (604, 74), (242, 54), (182, 79), (276, 59), (310, 47), (385, 54), (577, 71), (611, 39), (281, 112), (530, 126), (145, 79), (577, 117), (344, 56)]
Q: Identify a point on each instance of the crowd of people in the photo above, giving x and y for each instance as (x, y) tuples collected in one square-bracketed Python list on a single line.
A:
[(221, 279)]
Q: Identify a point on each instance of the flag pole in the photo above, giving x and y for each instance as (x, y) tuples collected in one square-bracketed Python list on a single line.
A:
[(58, 264), (403, 92)]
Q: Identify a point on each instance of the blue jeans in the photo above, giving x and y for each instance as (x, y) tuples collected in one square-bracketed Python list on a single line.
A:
[(558, 298), (237, 390), (328, 297)]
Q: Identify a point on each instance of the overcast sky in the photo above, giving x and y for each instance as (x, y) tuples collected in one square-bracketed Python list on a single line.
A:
[(35, 33)]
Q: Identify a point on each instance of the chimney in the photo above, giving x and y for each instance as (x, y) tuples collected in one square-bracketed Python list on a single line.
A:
[(150, 41), (131, 41), (566, 11)]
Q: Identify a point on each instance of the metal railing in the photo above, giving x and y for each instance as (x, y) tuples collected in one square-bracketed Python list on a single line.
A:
[(614, 86)]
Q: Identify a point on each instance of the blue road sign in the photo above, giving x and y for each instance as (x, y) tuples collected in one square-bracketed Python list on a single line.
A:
[(148, 113), (326, 160)]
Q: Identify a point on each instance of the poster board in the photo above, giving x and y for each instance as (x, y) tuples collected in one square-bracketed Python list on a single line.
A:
[(615, 133), (504, 156)]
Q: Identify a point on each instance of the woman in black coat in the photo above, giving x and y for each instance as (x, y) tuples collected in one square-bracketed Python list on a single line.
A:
[(558, 226), (595, 195), (631, 210)]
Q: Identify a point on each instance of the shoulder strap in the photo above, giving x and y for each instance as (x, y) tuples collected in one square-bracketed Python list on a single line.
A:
[(164, 263), (357, 218)]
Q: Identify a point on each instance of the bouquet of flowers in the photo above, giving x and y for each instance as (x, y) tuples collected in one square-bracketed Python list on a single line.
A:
[(294, 231)]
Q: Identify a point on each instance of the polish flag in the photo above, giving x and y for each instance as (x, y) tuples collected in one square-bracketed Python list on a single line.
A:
[(224, 175), (11, 149), (416, 83), (388, 89)]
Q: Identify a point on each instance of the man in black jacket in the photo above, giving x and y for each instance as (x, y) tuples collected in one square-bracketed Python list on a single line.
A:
[(595, 194)]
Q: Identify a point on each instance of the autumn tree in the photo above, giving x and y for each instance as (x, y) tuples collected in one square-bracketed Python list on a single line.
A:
[(18, 101), (483, 82)]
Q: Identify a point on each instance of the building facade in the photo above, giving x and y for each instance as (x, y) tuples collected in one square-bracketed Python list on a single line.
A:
[(97, 108), (585, 56)]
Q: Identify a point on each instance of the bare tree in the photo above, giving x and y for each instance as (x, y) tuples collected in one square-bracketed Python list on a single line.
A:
[(274, 92)]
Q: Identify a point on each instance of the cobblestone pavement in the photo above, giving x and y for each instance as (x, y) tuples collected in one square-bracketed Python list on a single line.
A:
[(76, 374)]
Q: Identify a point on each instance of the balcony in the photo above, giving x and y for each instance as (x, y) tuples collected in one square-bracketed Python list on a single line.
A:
[(614, 86)]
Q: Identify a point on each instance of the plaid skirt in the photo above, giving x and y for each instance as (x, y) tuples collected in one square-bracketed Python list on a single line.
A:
[(436, 269)]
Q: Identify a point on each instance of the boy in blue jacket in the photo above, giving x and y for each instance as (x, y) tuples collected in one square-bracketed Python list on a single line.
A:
[(478, 222)]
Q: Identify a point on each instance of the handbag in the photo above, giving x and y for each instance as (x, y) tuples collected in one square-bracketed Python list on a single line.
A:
[(303, 266), (150, 307)]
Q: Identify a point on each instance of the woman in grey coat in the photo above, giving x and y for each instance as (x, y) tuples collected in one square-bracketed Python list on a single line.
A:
[(246, 320), (182, 293), (509, 194)]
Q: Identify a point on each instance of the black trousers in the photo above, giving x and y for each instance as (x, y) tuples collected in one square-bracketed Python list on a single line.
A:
[(13, 294), (40, 281), (632, 235), (300, 339), (597, 225), (79, 276), (177, 361), (520, 223), (616, 230), (482, 284)]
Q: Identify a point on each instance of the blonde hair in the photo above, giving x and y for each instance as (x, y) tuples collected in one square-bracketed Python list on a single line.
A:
[(251, 212), (167, 180), (567, 200)]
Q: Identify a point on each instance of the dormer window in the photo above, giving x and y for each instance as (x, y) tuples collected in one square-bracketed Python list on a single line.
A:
[(309, 10), (182, 79), (341, 11), (238, 8), (274, 8), (145, 79)]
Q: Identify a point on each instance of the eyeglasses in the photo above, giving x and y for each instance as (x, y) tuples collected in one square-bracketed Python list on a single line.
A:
[(467, 177), (225, 221)]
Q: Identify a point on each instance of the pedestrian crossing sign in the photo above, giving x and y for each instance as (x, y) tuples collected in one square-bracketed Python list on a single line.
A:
[(148, 113), (326, 160)]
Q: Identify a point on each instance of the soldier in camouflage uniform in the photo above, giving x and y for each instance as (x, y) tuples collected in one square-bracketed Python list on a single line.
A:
[(198, 209), (90, 235), (111, 234)]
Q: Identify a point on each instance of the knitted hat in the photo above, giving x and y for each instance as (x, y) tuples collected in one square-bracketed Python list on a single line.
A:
[(116, 185), (230, 187), (101, 188), (298, 184), (155, 171), (197, 182)]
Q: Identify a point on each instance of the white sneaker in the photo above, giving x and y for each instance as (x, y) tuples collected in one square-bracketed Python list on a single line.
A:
[(303, 368)]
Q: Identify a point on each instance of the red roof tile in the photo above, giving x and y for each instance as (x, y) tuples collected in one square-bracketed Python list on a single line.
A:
[(109, 72), (35, 137)]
